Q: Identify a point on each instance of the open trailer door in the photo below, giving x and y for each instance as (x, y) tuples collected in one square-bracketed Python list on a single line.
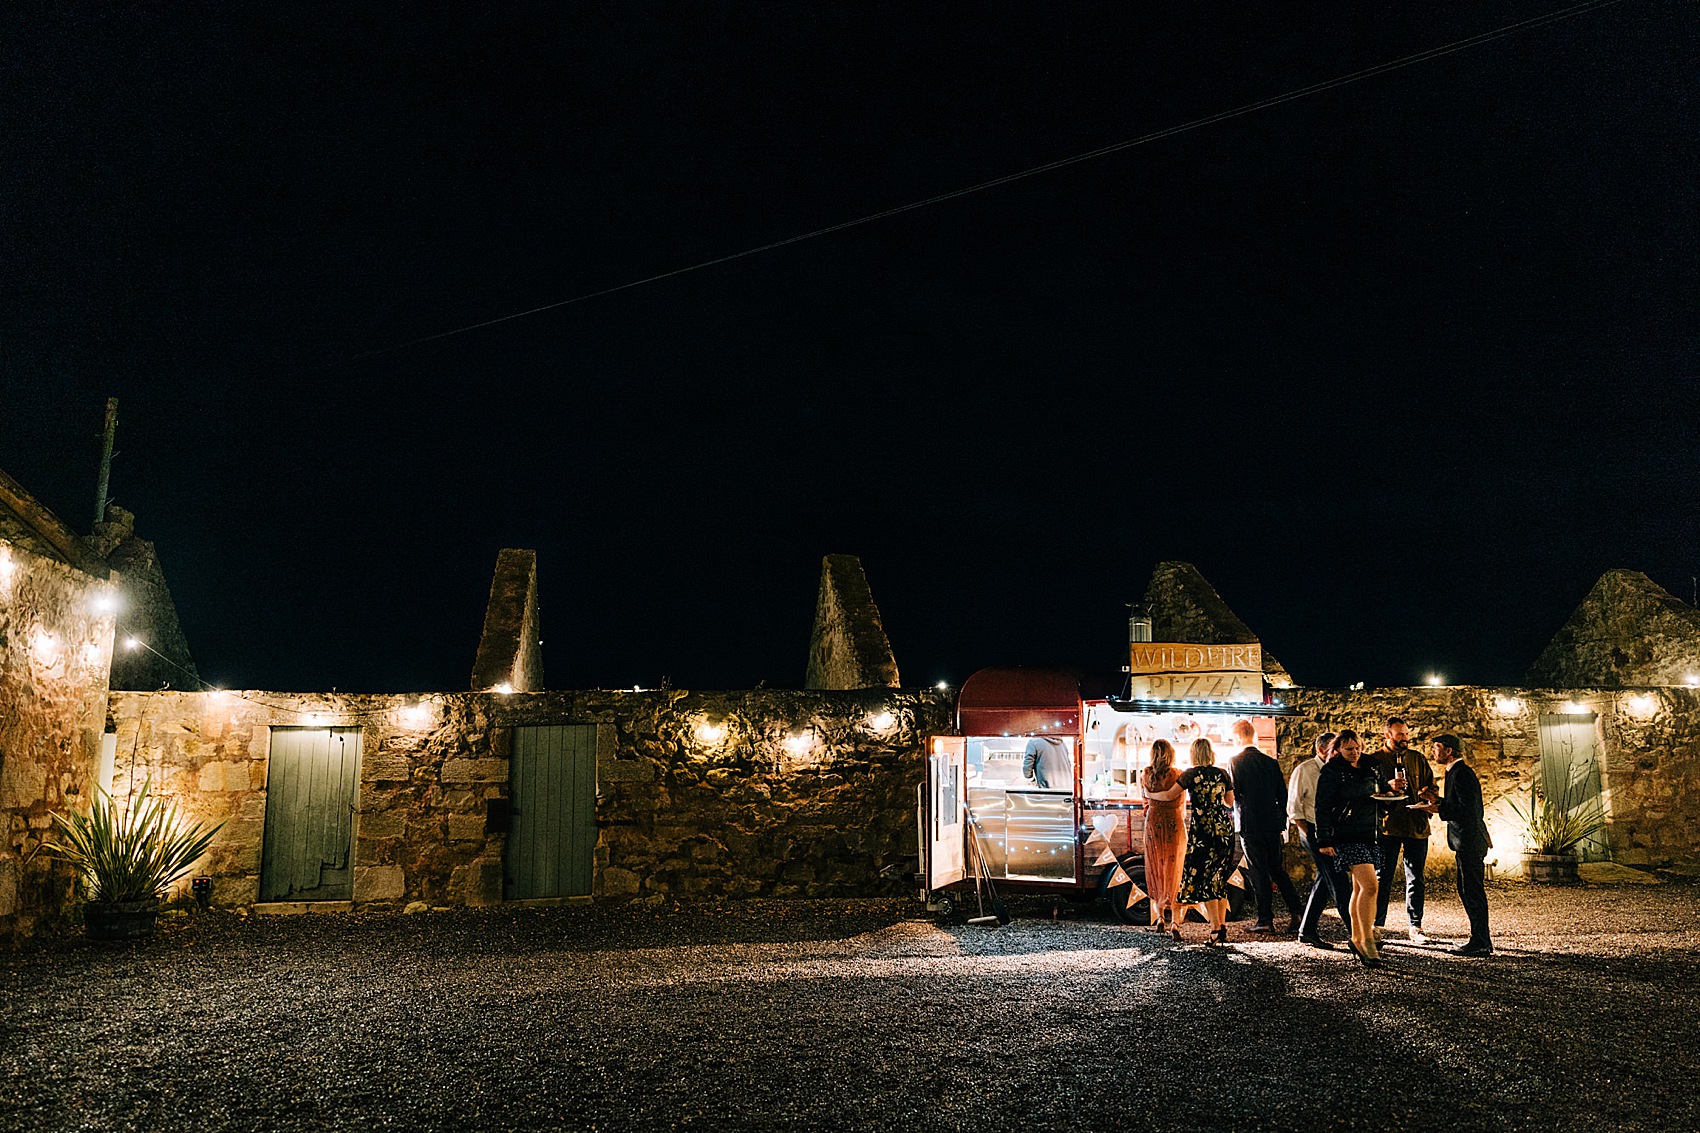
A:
[(946, 834)]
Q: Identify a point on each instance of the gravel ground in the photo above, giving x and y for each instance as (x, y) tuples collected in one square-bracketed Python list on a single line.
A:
[(856, 1014)]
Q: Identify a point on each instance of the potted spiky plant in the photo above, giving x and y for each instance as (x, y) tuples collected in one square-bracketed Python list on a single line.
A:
[(1552, 829), (127, 859)]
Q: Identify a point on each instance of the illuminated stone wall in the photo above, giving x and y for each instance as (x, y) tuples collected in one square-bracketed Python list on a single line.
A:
[(55, 652), (698, 793), (1649, 744), (784, 793)]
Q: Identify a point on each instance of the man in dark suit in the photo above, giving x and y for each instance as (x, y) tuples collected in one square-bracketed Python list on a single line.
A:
[(1260, 796), (1467, 834)]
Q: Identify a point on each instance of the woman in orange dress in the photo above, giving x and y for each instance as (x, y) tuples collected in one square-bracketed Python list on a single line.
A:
[(1165, 836)]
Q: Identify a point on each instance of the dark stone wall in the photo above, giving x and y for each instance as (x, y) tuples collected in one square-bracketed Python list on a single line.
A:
[(146, 611), (848, 648), (27, 524), (1629, 630), (510, 651)]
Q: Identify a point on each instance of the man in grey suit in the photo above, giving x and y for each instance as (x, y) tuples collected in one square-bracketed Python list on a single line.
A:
[(1467, 834)]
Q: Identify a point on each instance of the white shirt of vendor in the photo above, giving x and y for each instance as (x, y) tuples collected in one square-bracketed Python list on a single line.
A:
[(1047, 762)]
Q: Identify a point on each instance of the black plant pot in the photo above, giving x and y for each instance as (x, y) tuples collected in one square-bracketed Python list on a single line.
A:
[(120, 920)]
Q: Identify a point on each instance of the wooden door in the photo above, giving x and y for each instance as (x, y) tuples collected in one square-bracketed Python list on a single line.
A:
[(552, 793), (309, 838), (945, 838), (1570, 771)]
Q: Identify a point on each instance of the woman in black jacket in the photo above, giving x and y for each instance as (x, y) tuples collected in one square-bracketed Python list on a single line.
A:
[(1347, 822)]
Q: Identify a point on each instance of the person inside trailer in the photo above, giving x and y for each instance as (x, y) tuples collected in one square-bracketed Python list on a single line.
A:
[(1046, 763)]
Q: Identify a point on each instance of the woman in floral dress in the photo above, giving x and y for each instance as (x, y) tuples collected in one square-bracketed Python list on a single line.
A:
[(1165, 835), (1209, 840)]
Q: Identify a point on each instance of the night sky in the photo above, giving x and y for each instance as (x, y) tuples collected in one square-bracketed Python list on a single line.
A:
[(1402, 367)]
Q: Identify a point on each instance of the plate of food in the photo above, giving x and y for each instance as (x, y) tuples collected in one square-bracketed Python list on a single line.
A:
[(1395, 797)]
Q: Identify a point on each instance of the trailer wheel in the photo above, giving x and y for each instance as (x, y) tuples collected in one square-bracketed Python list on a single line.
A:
[(1116, 895), (944, 907)]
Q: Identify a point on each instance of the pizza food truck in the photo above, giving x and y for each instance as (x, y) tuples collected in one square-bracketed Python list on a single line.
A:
[(1037, 790)]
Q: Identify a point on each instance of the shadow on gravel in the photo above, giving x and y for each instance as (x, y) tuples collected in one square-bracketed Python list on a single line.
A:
[(497, 929)]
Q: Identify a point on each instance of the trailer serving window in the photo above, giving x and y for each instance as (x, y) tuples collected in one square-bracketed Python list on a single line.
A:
[(1027, 829)]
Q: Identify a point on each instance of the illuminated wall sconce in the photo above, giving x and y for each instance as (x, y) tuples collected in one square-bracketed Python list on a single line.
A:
[(1574, 708), (1507, 705), (710, 733), (799, 743), (1692, 680), (1642, 707), (504, 688), (93, 655), (1435, 680), (105, 604), (881, 721)]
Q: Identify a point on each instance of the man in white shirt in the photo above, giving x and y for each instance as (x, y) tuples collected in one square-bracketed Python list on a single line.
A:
[(1301, 811)]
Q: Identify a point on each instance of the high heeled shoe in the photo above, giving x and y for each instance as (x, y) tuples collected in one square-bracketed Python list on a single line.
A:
[(1222, 935), (1364, 959)]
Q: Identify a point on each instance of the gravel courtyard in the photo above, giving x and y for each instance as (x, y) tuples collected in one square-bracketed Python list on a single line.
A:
[(857, 1014)]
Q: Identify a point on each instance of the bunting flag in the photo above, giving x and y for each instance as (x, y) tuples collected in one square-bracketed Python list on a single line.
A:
[(1238, 879), (1134, 895), (1096, 836), (1106, 857), (1120, 877)]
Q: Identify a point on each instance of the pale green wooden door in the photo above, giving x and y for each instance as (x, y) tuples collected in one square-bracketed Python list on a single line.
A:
[(1570, 771), (552, 798), (309, 835)]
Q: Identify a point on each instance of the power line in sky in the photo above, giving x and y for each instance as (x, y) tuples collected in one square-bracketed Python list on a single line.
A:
[(1090, 155)]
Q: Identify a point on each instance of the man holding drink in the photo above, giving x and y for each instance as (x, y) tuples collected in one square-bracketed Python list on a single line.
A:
[(1404, 826)]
